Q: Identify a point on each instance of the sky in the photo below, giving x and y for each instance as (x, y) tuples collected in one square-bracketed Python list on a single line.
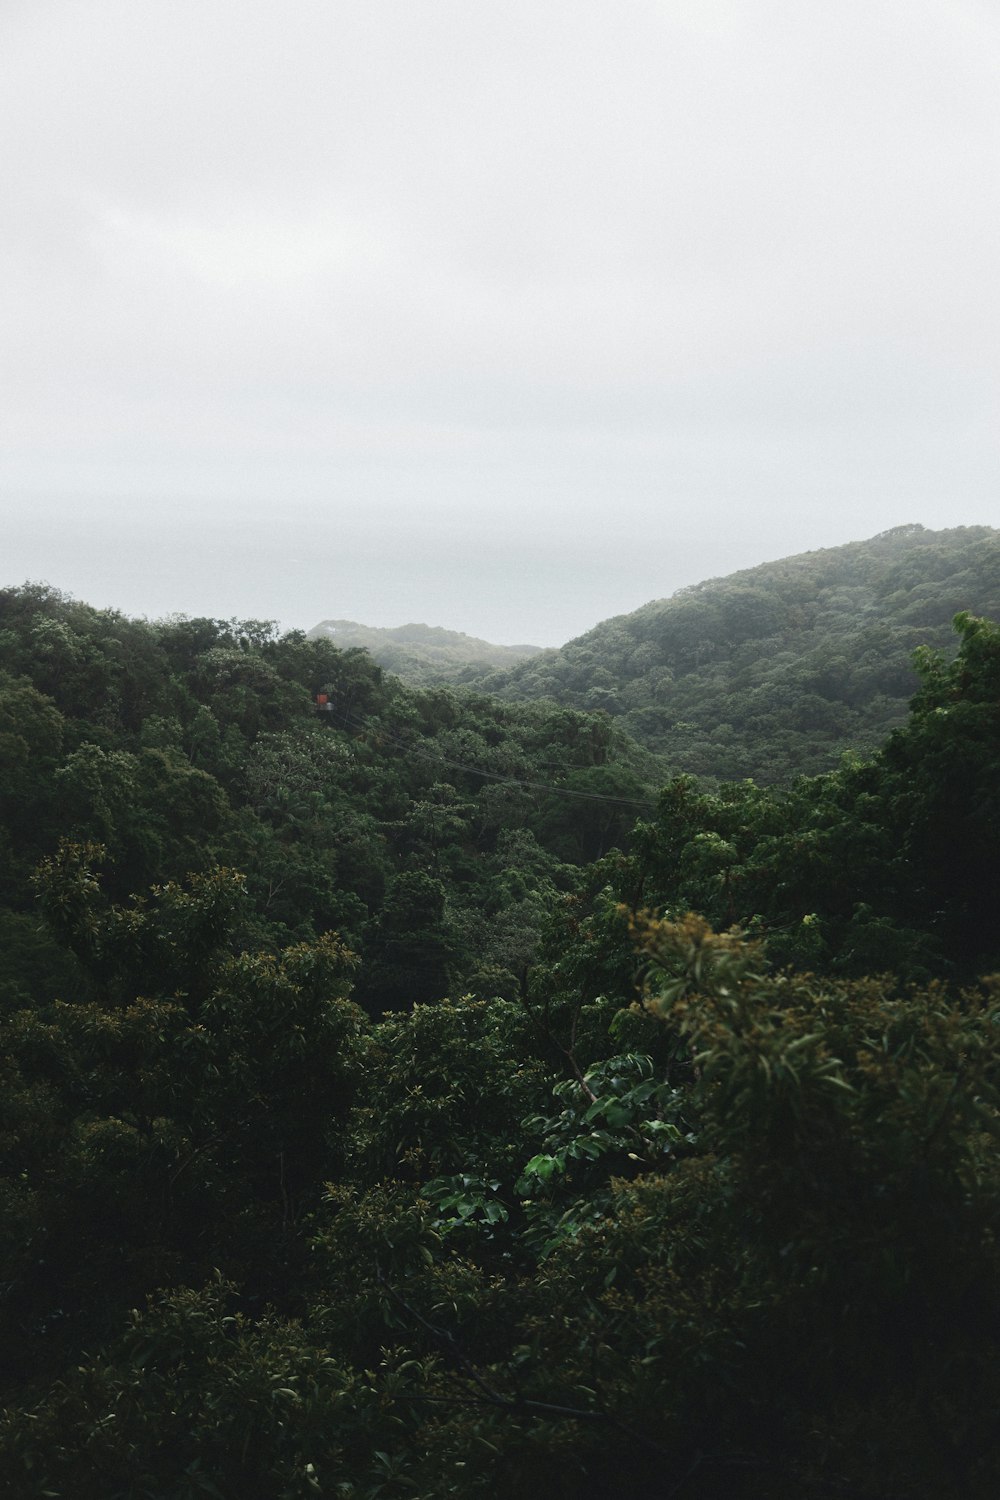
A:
[(503, 316)]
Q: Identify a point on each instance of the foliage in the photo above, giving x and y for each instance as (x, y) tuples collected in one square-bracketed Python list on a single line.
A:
[(775, 671), (422, 654), (187, 744), (674, 1173)]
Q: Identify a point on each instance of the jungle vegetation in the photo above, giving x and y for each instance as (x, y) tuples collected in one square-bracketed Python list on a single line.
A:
[(423, 1093), (775, 671)]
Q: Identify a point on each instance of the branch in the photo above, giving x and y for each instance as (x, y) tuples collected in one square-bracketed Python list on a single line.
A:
[(519, 1404), (525, 1406)]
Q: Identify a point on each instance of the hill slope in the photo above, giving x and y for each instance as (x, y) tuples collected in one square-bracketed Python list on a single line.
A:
[(423, 653), (775, 670)]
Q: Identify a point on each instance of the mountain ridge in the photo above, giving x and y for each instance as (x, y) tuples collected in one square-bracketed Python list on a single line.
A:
[(774, 671), (420, 653), (766, 673)]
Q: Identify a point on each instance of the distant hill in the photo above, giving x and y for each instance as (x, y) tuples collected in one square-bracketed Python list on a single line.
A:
[(423, 653), (776, 670)]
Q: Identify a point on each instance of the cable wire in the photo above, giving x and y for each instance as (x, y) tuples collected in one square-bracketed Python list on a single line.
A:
[(537, 786)]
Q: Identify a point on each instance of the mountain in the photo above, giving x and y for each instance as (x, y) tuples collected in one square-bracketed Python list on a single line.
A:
[(423, 653), (775, 671)]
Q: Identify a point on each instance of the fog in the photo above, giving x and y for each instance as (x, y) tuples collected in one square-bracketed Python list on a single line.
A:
[(507, 317)]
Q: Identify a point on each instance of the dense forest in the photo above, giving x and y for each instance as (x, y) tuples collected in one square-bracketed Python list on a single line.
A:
[(414, 1091), (774, 671)]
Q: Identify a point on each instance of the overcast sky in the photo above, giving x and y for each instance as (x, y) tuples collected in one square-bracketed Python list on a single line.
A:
[(506, 315)]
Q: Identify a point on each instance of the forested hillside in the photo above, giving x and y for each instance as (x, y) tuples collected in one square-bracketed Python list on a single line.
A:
[(423, 653), (446, 822), (399, 1095), (774, 671)]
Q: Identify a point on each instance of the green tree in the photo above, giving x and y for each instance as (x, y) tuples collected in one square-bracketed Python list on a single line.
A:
[(406, 953)]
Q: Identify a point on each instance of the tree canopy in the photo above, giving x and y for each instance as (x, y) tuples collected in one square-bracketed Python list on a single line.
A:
[(419, 1093), (774, 671)]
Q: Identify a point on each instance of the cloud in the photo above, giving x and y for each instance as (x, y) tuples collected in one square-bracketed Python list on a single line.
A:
[(567, 262)]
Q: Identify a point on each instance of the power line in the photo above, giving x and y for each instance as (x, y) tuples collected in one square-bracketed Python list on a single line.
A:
[(536, 786)]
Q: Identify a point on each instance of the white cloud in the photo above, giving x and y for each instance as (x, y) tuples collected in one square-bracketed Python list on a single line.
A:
[(559, 263)]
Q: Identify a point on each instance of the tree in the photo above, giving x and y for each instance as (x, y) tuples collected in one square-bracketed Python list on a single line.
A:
[(406, 953)]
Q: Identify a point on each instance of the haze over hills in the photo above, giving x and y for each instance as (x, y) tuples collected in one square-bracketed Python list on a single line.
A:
[(776, 670), (768, 673), (421, 653), (411, 1084)]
